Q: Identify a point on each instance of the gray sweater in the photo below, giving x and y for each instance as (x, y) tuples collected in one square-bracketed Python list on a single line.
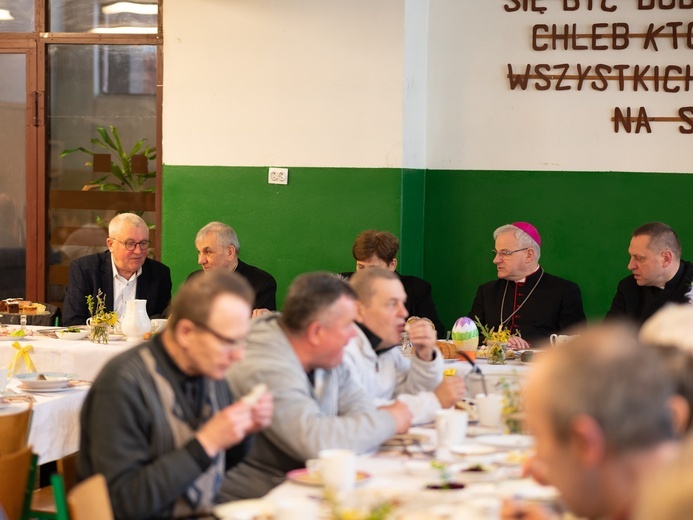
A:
[(335, 413)]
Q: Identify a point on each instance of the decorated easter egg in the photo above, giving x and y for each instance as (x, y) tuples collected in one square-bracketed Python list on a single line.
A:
[(465, 334)]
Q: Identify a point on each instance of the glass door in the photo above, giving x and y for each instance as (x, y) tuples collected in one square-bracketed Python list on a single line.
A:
[(20, 119)]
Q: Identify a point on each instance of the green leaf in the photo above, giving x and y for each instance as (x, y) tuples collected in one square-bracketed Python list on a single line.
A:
[(73, 150), (112, 187), (107, 138), (136, 148)]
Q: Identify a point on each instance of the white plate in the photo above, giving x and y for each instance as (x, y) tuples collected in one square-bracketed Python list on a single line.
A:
[(472, 449), (71, 336), (45, 390), (527, 489), (244, 509), (423, 468), (14, 338), (513, 441), (53, 381), (116, 337)]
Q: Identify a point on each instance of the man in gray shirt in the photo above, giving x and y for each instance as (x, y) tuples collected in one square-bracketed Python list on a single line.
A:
[(318, 405)]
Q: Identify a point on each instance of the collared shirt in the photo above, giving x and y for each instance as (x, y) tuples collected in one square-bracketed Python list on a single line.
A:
[(123, 290)]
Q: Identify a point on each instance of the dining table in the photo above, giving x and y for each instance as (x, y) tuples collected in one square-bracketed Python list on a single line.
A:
[(50, 354), (403, 479), (487, 463), (54, 429)]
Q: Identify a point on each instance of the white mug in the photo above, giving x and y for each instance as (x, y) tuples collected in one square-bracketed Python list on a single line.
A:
[(158, 325), (557, 339), (490, 409), (337, 469), (451, 426), (3, 378)]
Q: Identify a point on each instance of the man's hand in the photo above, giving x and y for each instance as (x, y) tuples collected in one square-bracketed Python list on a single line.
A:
[(423, 338), (450, 391), (536, 469), (401, 414), (260, 312), (517, 343), (261, 413), (514, 510), (226, 428)]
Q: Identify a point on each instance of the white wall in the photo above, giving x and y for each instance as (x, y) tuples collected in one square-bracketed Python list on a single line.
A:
[(283, 82), (475, 121)]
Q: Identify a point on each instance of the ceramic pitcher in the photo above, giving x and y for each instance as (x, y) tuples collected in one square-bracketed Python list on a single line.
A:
[(136, 322)]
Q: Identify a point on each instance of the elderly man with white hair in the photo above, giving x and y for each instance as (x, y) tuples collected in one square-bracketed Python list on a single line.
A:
[(218, 249), (525, 298), (122, 273)]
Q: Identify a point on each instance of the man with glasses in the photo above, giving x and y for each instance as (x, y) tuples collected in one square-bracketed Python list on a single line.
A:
[(160, 422), (122, 273), (525, 298)]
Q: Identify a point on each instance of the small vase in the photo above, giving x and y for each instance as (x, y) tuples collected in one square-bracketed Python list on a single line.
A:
[(136, 323), (99, 333), (495, 352)]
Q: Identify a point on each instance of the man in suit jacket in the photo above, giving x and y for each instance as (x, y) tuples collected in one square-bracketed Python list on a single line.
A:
[(218, 248), (122, 273), (380, 248)]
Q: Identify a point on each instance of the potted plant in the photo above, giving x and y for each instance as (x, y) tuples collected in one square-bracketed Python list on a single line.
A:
[(127, 177)]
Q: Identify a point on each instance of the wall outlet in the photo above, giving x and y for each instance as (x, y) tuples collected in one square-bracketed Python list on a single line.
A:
[(278, 176)]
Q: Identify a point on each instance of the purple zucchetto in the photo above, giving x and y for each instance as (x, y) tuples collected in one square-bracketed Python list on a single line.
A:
[(529, 229)]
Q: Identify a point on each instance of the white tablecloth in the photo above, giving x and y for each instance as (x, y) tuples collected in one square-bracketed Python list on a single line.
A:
[(54, 430), (390, 479), (82, 357)]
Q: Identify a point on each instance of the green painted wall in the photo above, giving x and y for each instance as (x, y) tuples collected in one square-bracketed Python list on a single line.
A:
[(308, 225), (445, 220), (585, 220)]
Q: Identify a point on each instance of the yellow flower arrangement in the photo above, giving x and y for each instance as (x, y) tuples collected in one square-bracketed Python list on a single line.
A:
[(101, 321), (496, 341)]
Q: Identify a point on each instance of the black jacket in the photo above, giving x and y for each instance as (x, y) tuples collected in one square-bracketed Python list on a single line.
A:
[(90, 273), (638, 303), (262, 282), (555, 305)]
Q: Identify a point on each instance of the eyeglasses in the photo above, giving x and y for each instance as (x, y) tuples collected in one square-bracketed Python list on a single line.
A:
[(233, 344), (130, 245), (505, 252)]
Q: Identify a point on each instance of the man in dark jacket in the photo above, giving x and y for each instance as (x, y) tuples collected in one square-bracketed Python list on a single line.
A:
[(525, 298), (218, 248), (380, 248), (659, 274), (122, 273)]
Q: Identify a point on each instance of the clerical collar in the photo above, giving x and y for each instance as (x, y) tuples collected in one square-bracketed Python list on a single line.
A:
[(524, 280), (676, 280), (374, 340)]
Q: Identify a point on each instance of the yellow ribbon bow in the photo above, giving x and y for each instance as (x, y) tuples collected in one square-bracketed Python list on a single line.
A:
[(23, 353)]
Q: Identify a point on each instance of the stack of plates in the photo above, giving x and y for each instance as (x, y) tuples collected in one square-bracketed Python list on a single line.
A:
[(51, 381)]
